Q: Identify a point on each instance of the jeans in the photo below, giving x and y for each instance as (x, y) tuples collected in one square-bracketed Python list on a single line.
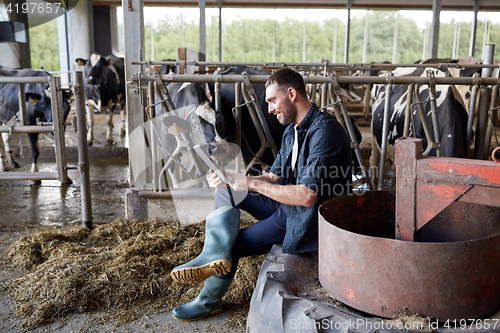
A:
[(260, 237)]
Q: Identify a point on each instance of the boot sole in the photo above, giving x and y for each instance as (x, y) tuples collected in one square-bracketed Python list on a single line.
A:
[(191, 275), (203, 316)]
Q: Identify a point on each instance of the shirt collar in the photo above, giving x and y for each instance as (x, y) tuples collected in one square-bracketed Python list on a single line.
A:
[(308, 119)]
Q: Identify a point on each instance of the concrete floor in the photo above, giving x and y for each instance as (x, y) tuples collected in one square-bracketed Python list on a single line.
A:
[(26, 209)]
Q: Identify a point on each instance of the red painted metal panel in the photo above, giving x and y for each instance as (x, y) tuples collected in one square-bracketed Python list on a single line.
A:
[(459, 170), (408, 150), (432, 198)]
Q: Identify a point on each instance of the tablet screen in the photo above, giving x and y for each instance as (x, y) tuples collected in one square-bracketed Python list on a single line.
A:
[(211, 164)]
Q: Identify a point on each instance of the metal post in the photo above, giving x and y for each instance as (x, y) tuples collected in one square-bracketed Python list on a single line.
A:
[(472, 109), (347, 32), (484, 102), (153, 135), (423, 118), (83, 155), (217, 91), (425, 47), (385, 129), (237, 120), (203, 32), (274, 40), (365, 39), (243, 39), (304, 42), (408, 150), (219, 4), (133, 29), (334, 48), (453, 49), (472, 46), (59, 140), (324, 96), (21, 97), (395, 42), (406, 128), (432, 100), (436, 11)]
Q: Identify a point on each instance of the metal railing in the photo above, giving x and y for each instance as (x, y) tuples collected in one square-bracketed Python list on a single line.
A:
[(142, 80), (18, 125)]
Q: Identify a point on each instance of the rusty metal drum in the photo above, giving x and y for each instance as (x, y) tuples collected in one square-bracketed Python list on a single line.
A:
[(451, 272)]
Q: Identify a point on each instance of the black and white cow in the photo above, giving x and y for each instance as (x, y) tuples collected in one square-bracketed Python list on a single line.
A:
[(251, 145), (38, 106), (108, 75), (194, 120), (192, 104), (451, 114)]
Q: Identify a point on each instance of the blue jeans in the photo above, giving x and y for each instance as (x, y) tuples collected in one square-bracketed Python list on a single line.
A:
[(260, 237)]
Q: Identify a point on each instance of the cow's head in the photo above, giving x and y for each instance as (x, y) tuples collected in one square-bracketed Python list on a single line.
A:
[(40, 104), (95, 67), (206, 127)]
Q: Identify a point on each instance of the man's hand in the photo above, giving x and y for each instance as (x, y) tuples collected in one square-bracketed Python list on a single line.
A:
[(238, 182)]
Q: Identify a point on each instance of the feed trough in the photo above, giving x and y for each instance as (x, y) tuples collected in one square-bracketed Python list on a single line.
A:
[(432, 248)]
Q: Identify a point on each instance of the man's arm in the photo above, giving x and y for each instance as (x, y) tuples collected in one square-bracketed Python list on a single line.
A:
[(268, 185), (293, 195)]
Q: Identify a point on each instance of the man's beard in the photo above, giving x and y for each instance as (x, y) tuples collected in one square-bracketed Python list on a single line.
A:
[(288, 113)]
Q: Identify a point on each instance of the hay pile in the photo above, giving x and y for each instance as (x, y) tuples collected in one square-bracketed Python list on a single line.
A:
[(119, 266)]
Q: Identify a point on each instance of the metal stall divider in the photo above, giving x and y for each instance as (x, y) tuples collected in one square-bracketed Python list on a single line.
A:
[(423, 118), (183, 141), (432, 100), (57, 128), (83, 155), (385, 128), (347, 80), (260, 123), (350, 129), (477, 81)]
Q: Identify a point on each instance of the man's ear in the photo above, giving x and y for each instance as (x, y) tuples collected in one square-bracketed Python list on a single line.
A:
[(292, 93)]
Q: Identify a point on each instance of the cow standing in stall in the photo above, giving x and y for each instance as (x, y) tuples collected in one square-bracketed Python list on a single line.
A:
[(197, 120), (108, 75), (451, 115), (38, 107)]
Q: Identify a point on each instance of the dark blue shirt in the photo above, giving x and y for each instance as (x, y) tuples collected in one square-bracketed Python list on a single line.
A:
[(324, 165)]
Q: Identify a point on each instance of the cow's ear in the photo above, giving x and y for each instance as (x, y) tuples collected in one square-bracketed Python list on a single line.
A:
[(68, 94), (81, 62), (33, 98)]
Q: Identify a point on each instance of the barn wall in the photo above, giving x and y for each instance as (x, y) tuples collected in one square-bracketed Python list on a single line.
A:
[(102, 30)]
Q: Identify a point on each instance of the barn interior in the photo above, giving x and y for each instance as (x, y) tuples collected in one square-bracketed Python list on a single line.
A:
[(117, 193)]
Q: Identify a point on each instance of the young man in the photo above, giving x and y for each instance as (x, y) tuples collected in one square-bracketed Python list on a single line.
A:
[(313, 165)]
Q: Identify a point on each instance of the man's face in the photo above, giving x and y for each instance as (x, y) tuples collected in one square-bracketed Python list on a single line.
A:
[(280, 105)]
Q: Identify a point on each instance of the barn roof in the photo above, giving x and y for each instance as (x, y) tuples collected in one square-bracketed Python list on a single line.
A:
[(490, 5)]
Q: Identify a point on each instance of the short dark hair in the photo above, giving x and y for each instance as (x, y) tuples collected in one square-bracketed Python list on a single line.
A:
[(286, 78)]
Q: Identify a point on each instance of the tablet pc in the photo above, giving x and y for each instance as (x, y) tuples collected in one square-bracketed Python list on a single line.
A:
[(211, 164)]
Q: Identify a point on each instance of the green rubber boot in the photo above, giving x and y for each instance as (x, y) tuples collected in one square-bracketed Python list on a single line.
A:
[(221, 230), (208, 302)]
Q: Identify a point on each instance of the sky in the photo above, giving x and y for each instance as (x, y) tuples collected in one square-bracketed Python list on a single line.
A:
[(228, 14)]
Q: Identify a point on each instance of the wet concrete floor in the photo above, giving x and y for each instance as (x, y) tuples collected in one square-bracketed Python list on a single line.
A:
[(26, 209), (54, 204)]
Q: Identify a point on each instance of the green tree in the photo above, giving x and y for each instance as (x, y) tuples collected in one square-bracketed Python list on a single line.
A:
[(44, 46)]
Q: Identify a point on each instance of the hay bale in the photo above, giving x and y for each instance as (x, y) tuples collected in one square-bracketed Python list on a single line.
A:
[(123, 265)]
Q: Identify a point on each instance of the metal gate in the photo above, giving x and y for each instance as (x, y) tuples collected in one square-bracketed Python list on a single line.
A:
[(18, 125)]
